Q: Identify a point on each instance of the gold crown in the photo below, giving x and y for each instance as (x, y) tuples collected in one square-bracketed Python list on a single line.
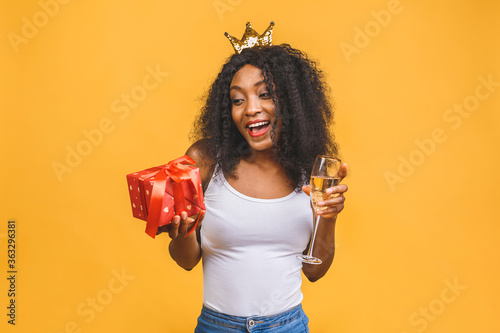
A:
[(251, 38)]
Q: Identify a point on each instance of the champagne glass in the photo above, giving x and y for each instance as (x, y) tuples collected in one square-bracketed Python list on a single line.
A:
[(325, 174)]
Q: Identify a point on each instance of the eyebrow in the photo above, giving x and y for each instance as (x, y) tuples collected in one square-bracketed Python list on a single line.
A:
[(255, 85)]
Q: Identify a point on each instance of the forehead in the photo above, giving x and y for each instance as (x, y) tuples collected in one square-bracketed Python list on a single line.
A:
[(247, 74)]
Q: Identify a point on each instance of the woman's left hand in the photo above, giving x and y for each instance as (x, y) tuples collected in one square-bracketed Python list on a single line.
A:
[(334, 205)]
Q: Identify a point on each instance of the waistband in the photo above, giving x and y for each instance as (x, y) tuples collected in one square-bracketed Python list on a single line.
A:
[(252, 323)]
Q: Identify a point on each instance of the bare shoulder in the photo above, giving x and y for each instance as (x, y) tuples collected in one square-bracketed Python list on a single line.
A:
[(197, 151)]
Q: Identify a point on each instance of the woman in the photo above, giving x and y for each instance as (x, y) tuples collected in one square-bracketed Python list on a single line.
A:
[(266, 117)]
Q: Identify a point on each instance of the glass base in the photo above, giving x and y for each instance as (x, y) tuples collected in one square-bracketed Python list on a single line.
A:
[(309, 259)]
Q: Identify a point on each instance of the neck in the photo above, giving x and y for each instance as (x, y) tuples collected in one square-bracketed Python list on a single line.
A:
[(264, 159)]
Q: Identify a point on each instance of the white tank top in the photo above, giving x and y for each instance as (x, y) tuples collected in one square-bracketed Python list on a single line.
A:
[(249, 248)]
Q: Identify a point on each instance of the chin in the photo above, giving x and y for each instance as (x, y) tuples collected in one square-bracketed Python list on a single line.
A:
[(261, 147)]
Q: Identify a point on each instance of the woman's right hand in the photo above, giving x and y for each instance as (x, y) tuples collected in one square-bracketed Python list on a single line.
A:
[(182, 224), (186, 251)]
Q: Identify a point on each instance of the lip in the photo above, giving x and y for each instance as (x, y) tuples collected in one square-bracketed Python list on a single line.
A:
[(259, 133), (255, 121)]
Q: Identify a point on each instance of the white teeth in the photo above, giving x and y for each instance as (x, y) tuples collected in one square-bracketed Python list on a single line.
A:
[(262, 123)]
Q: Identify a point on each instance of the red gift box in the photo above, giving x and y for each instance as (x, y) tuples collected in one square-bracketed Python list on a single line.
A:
[(159, 193)]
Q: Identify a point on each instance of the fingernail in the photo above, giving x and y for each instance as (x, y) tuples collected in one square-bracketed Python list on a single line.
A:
[(321, 203)]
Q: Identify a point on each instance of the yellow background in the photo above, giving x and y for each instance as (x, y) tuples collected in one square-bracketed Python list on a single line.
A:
[(400, 246)]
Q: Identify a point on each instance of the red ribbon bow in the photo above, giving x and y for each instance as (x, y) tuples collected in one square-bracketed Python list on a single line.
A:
[(178, 171)]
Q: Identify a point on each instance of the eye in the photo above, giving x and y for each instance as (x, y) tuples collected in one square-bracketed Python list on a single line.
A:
[(265, 95), (237, 101)]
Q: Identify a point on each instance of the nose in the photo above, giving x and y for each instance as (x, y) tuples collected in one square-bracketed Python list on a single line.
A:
[(253, 106)]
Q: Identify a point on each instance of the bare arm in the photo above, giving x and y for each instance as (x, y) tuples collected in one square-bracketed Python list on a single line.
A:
[(186, 250)]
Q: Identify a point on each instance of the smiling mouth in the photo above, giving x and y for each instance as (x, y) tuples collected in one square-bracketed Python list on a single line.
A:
[(258, 129)]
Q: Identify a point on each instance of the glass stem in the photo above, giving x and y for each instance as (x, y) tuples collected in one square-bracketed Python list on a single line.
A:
[(315, 229)]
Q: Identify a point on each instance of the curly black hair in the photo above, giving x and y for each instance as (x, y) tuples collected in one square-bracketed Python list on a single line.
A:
[(301, 102)]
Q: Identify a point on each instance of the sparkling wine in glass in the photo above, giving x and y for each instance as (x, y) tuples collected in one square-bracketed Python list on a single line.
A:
[(325, 174)]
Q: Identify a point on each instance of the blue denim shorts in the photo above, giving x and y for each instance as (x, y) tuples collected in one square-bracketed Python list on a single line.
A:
[(290, 321)]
